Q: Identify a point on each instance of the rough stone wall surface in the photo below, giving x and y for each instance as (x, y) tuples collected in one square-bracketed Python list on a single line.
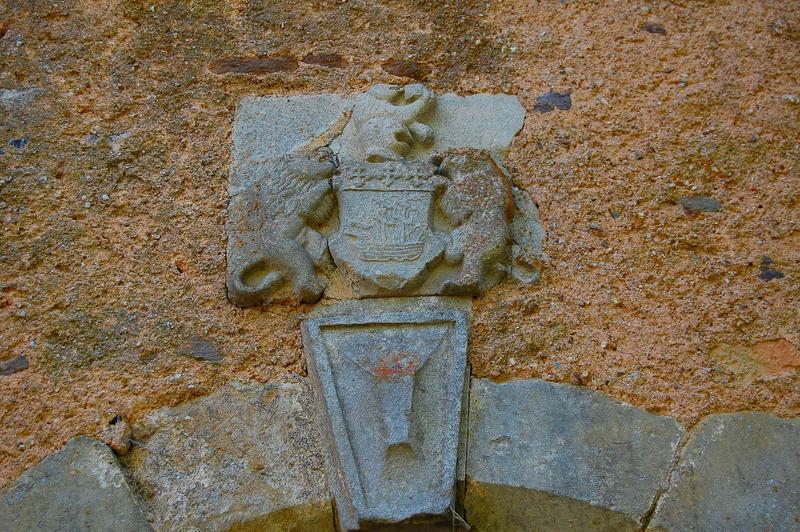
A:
[(667, 183)]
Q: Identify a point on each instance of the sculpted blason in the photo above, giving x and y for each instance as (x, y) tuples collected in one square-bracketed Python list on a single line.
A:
[(391, 218), (390, 200)]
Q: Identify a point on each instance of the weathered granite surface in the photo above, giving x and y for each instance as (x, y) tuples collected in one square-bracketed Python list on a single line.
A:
[(273, 249), (268, 127), (388, 123), (80, 487), (423, 204), (389, 376), (737, 472), (480, 121), (246, 457), (546, 456)]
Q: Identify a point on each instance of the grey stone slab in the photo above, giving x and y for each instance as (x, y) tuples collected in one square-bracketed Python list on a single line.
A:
[(246, 457), (698, 204), (389, 376), (480, 121), (432, 124), (267, 127), (14, 365), (737, 472), (574, 457), (80, 487), (18, 99), (528, 236), (403, 190)]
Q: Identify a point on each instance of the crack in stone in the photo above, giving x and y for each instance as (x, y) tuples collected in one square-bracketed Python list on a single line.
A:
[(644, 522), (466, 407)]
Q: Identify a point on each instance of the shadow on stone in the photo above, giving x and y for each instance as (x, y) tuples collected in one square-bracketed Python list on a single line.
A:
[(294, 519), (497, 507)]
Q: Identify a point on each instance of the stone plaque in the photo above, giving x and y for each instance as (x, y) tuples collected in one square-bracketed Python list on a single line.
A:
[(389, 376), (394, 192)]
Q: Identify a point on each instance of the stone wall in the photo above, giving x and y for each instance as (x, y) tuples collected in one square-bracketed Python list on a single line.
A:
[(659, 145), (540, 456)]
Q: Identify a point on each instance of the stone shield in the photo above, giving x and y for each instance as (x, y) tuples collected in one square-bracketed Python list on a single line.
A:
[(385, 242), (389, 376)]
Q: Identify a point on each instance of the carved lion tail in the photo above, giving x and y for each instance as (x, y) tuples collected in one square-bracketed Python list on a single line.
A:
[(254, 284)]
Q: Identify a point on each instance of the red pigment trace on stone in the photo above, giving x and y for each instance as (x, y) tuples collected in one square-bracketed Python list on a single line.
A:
[(397, 365), (255, 65)]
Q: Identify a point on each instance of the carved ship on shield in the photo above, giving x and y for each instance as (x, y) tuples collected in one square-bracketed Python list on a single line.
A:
[(385, 242), (397, 237)]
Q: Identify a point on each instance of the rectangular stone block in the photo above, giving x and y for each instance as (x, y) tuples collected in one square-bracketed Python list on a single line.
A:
[(389, 377), (246, 457)]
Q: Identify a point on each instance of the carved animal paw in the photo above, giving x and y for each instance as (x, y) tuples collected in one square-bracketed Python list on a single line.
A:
[(310, 290)]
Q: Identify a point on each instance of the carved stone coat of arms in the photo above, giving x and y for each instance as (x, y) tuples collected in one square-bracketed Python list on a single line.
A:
[(395, 192), (377, 211)]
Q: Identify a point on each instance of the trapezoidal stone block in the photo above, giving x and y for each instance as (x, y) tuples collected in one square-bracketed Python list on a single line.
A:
[(738, 471), (389, 376), (80, 487), (550, 456)]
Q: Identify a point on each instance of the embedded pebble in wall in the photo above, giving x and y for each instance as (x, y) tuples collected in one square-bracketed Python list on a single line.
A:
[(13, 365), (551, 101), (18, 143), (699, 204), (767, 271), (202, 349)]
